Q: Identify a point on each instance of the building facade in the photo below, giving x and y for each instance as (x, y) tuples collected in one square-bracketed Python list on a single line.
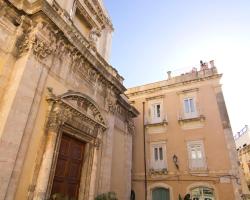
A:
[(242, 141), (242, 138), (183, 142), (65, 125)]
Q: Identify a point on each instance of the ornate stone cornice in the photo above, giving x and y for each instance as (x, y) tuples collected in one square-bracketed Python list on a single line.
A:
[(46, 40), (29, 7), (87, 16), (99, 13), (80, 44)]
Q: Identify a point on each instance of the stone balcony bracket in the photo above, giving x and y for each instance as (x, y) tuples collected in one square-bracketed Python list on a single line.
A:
[(152, 171)]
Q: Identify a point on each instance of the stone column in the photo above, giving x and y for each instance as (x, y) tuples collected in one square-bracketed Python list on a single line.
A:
[(15, 111), (93, 175), (45, 169), (106, 159), (128, 164)]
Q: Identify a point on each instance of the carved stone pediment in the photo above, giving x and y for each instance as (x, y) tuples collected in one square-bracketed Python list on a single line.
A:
[(83, 104), (77, 110)]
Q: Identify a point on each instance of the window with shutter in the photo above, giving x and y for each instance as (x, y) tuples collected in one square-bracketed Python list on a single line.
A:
[(189, 108), (196, 155), (158, 158)]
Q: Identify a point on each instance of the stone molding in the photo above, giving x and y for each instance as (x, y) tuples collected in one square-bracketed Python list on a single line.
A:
[(200, 118), (132, 92), (155, 97), (100, 16)]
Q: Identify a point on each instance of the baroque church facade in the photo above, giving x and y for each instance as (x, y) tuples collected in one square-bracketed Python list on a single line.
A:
[(65, 124)]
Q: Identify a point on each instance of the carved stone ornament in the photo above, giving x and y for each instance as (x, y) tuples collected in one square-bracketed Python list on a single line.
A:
[(131, 126), (44, 39), (93, 36), (77, 110)]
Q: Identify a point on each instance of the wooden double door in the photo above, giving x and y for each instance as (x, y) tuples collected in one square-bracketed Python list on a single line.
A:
[(68, 168)]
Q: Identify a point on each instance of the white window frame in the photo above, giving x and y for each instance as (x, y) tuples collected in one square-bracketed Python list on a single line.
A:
[(156, 112), (201, 194), (196, 155), (189, 109), (158, 156)]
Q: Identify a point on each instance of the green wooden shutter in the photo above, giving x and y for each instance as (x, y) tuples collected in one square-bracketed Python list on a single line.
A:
[(161, 194)]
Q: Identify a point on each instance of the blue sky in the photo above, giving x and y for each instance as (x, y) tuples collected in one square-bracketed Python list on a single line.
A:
[(153, 37)]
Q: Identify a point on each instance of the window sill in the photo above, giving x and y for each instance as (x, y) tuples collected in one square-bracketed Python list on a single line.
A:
[(200, 118), (203, 170), (162, 123)]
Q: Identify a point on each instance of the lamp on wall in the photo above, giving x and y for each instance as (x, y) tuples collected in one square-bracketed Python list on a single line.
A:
[(175, 160)]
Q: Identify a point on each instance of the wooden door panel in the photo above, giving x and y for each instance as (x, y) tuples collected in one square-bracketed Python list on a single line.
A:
[(73, 189), (74, 171), (61, 168), (64, 147), (76, 152), (68, 168)]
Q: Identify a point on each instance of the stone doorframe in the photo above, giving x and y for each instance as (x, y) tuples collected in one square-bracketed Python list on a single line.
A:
[(77, 115)]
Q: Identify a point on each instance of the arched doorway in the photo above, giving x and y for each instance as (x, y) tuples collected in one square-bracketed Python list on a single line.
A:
[(202, 193), (74, 131), (160, 194)]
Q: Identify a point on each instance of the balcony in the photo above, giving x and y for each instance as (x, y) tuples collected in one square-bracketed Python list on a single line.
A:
[(190, 117), (162, 171), (149, 122), (191, 120)]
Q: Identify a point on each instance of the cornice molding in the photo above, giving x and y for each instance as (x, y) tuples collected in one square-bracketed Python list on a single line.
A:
[(174, 85), (27, 6), (188, 91), (99, 13), (155, 97)]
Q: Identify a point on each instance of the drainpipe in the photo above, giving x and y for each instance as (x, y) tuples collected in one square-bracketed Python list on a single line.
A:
[(144, 146)]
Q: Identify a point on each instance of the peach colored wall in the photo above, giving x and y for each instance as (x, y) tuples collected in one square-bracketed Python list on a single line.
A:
[(211, 133)]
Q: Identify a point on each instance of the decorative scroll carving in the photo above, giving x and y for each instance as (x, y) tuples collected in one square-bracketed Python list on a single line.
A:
[(112, 106), (130, 126), (78, 111), (41, 49)]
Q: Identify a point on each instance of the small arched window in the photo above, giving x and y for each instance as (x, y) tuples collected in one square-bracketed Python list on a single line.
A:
[(160, 194), (202, 193)]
